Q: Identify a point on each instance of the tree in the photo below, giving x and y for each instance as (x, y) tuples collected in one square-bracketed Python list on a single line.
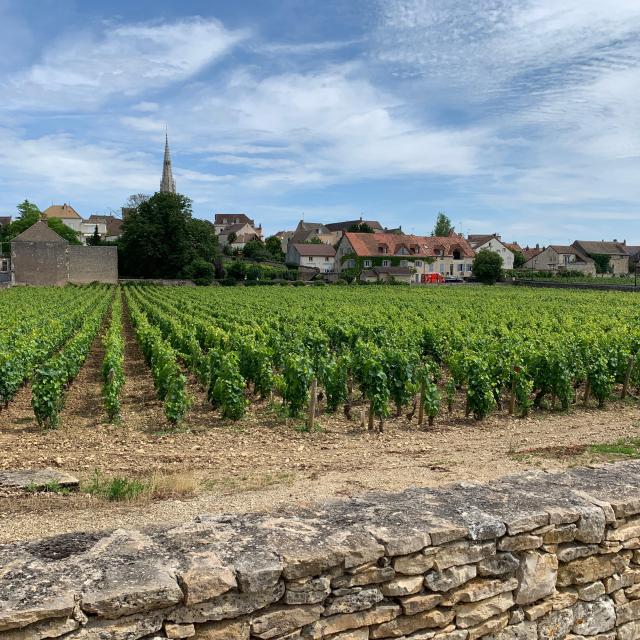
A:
[(518, 259), (274, 247), (314, 240), (603, 262), (361, 227), (200, 271), (487, 266), (95, 238), (255, 250), (232, 237), (160, 239), (28, 216), (135, 200), (443, 227)]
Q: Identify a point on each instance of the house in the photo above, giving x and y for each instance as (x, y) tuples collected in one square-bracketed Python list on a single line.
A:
[(39, 256), (284, 237), (307, 231), (616, 252), (531, 252), (634, 258), (373, 254), (72, 219), (557, 258), (312, 255), (239, 224), (493, 242), (112, 224), (5, 221)]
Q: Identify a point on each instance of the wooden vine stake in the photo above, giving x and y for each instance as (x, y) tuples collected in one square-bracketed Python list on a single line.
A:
[(312, 404), (421, 405), (587, 392), (371, 416), (627, 377), (512, 399)]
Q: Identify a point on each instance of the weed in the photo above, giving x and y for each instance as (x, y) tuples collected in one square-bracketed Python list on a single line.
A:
[(628, 447), (48, 487), (117, 488)]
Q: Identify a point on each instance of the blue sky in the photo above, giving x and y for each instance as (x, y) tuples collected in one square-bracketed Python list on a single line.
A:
[(512, 116)]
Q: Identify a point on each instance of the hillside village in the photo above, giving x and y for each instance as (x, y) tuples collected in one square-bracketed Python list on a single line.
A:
[(358, 250)]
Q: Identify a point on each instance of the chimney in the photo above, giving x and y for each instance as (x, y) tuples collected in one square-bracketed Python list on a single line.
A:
[(537, 246)]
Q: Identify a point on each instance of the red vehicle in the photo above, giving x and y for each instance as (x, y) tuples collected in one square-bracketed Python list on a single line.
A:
[(432, 278)]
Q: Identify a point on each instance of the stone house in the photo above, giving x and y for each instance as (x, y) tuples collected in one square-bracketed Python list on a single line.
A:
[(493, 242), (616, 251), (307, 231), (557, 258), (113, 226), (345, 225), (39, 256), (634, 258), (72, 219), (373, 254), (244, 228), (315, 256)]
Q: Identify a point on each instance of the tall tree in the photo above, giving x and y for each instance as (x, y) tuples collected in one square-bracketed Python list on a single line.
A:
[(487, 266), (274, 247), (160, 239), (94, 240), (361, 227), (443, 225)]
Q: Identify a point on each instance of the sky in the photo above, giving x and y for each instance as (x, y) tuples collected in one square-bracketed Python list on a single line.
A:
[(520, 117)]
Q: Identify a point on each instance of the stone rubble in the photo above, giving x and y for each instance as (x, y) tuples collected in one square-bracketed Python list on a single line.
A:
[(538, 556)]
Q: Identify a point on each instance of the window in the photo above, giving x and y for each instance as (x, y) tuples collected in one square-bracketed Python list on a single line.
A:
[(456, 254), (460, 267), (310, 258), (442, 267), (404, 263), (351, 264), (386, 263), (468, 268), (418, 263), (431, 267), (367, 263), (4, 266), (326, 259)]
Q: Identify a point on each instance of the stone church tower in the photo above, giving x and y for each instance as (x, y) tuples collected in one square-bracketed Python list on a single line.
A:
[(167, 184)]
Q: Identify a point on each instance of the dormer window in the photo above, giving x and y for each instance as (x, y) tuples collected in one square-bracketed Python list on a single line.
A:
[(456, 254)]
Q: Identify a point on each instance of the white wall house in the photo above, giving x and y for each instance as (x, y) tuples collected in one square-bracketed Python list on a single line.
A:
[(495, 244), (315, 256)]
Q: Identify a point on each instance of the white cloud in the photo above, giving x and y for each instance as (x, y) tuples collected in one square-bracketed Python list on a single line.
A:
[(82, 70)]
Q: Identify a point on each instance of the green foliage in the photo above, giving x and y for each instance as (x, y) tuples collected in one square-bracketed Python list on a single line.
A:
[(487, 266), (160, 239), (29, 214), (443, 227), (228, 391), (297, 373), (117, 489), (113, 363), (274, 247), (518, 259), (602, 262), (256, 250), (94, 240), (480, 396), (335, 381), (200, 271), (369, 370), (361, 227)]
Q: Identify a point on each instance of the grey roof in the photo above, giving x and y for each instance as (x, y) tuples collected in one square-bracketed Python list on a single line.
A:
[(314, 249), (561, 249), (601, 248), (345, 225), (633, 250), (39, 232)]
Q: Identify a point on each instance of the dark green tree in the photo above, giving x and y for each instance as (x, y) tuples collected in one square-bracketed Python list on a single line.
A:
[(443, 227), (160, 239), (361, 227), (255, 250), (603, 262), (314, 240), (487, 266), (274, 247), (95, 238), (518, 259)]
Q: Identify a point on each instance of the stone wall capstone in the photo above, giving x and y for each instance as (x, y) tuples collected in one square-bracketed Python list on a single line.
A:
[(539, 556)]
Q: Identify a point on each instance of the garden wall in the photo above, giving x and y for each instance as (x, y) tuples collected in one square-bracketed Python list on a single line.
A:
[(539, 556), (546, 284)]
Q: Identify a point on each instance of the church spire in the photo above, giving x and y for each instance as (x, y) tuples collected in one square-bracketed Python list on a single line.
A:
[(167, 184)]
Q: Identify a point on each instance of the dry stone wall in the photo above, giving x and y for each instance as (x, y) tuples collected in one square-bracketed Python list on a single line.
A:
[(542, 556)]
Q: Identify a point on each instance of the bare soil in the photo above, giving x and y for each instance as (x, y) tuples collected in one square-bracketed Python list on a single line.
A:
[(264, 461)]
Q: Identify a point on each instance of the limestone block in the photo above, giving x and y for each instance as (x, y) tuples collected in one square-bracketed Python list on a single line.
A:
[(628, 612), (498, 565), (205, 577), (521, 631), (536, 611), (352, 634), (555, 625), (520, 542), (43, 629), (488, 627), (280, 620), (569, 552), (404, 625), (589, 569), (629, 631), (536, 576), (591, 591), (343, 622), (373, 575), (307, 590), (563, 599), (461, 553), (562, 533), (592, 618), (127, 628), (474, 613), (258, 572), (400, 543), (479, 589), (449, 578), (179, 631), (404, 586), (622, 580), (420, 602), (414, 564), (364, 599), (590, 527), (224, 630), (633, 592)]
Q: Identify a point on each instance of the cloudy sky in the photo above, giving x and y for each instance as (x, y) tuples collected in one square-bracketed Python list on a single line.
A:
[(513, 116)]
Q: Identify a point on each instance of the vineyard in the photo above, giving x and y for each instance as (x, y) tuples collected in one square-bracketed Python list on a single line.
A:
[(367, 352), (250, 397)]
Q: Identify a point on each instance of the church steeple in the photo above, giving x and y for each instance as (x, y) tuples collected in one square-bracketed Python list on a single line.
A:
[(167, 184)]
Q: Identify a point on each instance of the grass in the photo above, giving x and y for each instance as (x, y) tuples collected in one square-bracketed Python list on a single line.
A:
[(48, 487), (157, 486), (628, 447)]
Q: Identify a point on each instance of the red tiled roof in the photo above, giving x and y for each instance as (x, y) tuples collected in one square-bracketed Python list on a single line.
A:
[(368, 244)]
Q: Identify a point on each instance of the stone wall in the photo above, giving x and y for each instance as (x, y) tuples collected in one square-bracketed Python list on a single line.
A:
[(550, 284), (539, 556), (39, 263), (93, 264)]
